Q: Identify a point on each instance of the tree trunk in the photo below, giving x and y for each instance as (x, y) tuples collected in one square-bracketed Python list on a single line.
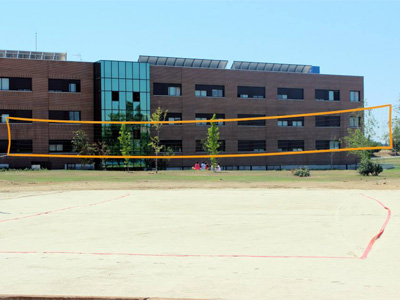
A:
[(156, 163)]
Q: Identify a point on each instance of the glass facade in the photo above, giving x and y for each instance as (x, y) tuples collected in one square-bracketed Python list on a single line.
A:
[(123, 94)]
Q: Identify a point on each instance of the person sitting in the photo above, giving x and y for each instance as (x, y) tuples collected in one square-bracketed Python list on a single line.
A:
[(207, 167), (218, 168), (196, 166)]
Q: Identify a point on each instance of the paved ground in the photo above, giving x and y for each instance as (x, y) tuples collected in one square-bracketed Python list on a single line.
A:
[(217, 244)]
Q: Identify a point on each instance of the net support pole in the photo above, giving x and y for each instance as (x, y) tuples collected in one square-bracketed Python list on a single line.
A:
[(9, 136)]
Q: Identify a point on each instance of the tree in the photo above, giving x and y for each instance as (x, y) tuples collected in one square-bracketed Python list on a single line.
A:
[(363, 137), (125, 140), (211, 144), (80, 144), (396, 128), (101, 149), (157, 116)]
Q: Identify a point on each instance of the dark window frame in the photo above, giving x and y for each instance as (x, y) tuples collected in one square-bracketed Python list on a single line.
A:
[(252, 92), (290, 93), (254, 123), (208, 88), (251, 145), (162, 89), (17, 113), (328, 121), (323, 95), (290, 145), (63, 85), (208, 117), (20, 84)]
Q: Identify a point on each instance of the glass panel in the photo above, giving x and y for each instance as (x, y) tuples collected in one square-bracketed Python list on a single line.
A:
[(121, 69), (103, 101), (143, 85), (136, 70), (115, 84), (129, 85), (136, 86), (108, 100), (129, 71), (148, 85), (143, 71), (129, 96), (107, 65), (107, 85), (122, 85), (115, 105), (143, 101), (114, 72), (102, 68), (122, 100)]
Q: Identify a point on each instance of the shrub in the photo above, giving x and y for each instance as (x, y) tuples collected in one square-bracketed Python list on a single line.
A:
[(367, 167), (301, 172)]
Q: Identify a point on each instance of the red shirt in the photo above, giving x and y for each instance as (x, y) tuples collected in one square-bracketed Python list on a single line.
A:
[(196, 166)]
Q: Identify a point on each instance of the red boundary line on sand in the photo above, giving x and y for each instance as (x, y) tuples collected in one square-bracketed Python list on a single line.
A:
[(377, 236), (364, 256), (62, 209)]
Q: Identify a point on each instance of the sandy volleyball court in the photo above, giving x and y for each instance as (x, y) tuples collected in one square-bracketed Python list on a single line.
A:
[(196, 243)]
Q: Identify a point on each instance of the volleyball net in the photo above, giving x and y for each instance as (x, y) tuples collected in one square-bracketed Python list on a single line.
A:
[(245, 136)]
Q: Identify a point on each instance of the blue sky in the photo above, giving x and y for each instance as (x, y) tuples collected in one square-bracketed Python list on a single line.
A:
[(342, 37)]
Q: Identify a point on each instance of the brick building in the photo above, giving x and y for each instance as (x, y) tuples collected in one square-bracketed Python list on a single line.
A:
[(45, 85)]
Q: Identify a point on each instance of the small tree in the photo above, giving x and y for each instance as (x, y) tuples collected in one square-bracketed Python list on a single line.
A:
[(81, 145), (211, 144), (157, 116), (125, 140), (101, 149)]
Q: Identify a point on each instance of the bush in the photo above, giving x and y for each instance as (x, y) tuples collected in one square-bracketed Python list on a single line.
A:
[(367, 167), (301, 172)]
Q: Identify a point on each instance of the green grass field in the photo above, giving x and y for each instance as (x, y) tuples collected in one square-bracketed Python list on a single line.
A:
[(65, 176)]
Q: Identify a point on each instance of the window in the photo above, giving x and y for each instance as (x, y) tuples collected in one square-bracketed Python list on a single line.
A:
[(208, 117), (216, 93), (251, 146), (72, 87), (60, 146), (326, 144), (327, 95), (199, 93), (291, 145), (173, 117), (355, 122), (355, 96), (174, 145), (15, 113), (327, 121), (167, 89), (17, 146), (3, 118), (290, 93), (251, 123), (15, 84), (4, 84), (65, 85), (64, 115), (251, 92), (202, 90), (115, 96), (291, 122), (200, 148)]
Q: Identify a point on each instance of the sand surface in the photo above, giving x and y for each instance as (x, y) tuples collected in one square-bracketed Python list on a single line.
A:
[(198, 243)]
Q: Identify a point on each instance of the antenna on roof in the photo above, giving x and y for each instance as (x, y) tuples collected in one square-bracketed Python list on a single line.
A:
[(78, 55)]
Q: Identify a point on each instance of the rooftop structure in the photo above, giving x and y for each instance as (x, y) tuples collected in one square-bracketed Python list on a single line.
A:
[(35, 55), (183, 62)]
